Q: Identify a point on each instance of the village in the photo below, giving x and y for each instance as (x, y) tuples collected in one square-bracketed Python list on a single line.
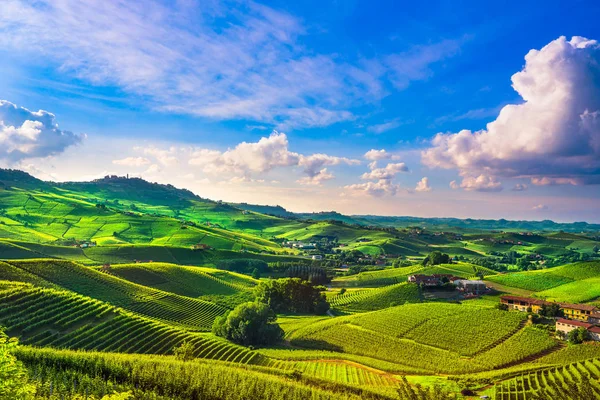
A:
[(569, 317)]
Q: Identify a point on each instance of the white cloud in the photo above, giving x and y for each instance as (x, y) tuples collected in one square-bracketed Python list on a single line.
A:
[(317, 179), (376, 155), (454, 185), (481, 183), (519, 187), (423, 185), (26, 134), (132, 161), (387, 172), (553, 137), (381, 180), (218, 60), (312, 164), (376, 189)]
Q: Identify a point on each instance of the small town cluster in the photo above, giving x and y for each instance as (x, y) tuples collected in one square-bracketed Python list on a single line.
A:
[(575, 315)]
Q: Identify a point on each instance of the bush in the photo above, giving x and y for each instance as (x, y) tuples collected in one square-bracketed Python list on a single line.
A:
[(185, 351), (292, 295), (249, 324)]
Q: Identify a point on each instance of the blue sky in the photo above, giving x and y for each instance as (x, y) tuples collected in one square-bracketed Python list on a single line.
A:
[(171, 90)]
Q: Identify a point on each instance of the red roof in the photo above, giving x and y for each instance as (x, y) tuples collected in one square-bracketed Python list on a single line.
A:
[(594, 329), (574, 323), (583, 307), (527, 300)]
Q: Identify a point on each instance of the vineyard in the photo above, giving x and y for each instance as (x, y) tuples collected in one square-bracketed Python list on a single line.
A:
[(552, 381), (154, 303), (375, 299), (46, 317)]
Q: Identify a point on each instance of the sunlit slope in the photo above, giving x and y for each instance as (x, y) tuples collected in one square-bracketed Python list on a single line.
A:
[(193, 313), (63, 319), (577, 282), (56, 215), (437, 337)]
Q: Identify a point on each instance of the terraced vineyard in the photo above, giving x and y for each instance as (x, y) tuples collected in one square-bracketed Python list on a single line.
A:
[(523, 387), (196, 314), (47, 317), (374, 299)]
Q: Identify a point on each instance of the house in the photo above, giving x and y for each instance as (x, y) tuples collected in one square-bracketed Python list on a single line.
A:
[(425, 280), (523, 303), (317, 257), (200, 246), (594, 318), (580, 312), (471, 286), (566, 325), (594, 332)]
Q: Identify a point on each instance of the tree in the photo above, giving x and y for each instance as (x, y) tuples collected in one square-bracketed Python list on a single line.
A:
[(185, 351), (577, 336), (249, 324), (436, 258), (292, 295), (551, 310), (256, 273), (13, 376)]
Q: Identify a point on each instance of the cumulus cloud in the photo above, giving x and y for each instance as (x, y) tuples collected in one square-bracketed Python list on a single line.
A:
[(388, 172), (553, 137), (540, 207), (313, 163), (382, 180), (519, 187), (27, 134), (376, 155), (132, 161), (245, 162), (376, 189), (423, 185), (316, 179), (481, 183)]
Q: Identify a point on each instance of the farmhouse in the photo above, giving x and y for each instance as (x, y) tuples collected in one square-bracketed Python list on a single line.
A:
[(594, 318), (425, 280), (471, 286), (523, 303), (317, 257), (579, 312), (566, 325)]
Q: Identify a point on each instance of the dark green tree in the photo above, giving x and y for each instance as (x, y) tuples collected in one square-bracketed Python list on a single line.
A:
[(436, 258), (292, 295), (249, 324), (577, 336)]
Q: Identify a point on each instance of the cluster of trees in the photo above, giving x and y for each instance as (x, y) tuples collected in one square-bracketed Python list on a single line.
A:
[(437, 258), (249, 324), (255, 323), (244, 265), (292, 295), (315, 275)]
